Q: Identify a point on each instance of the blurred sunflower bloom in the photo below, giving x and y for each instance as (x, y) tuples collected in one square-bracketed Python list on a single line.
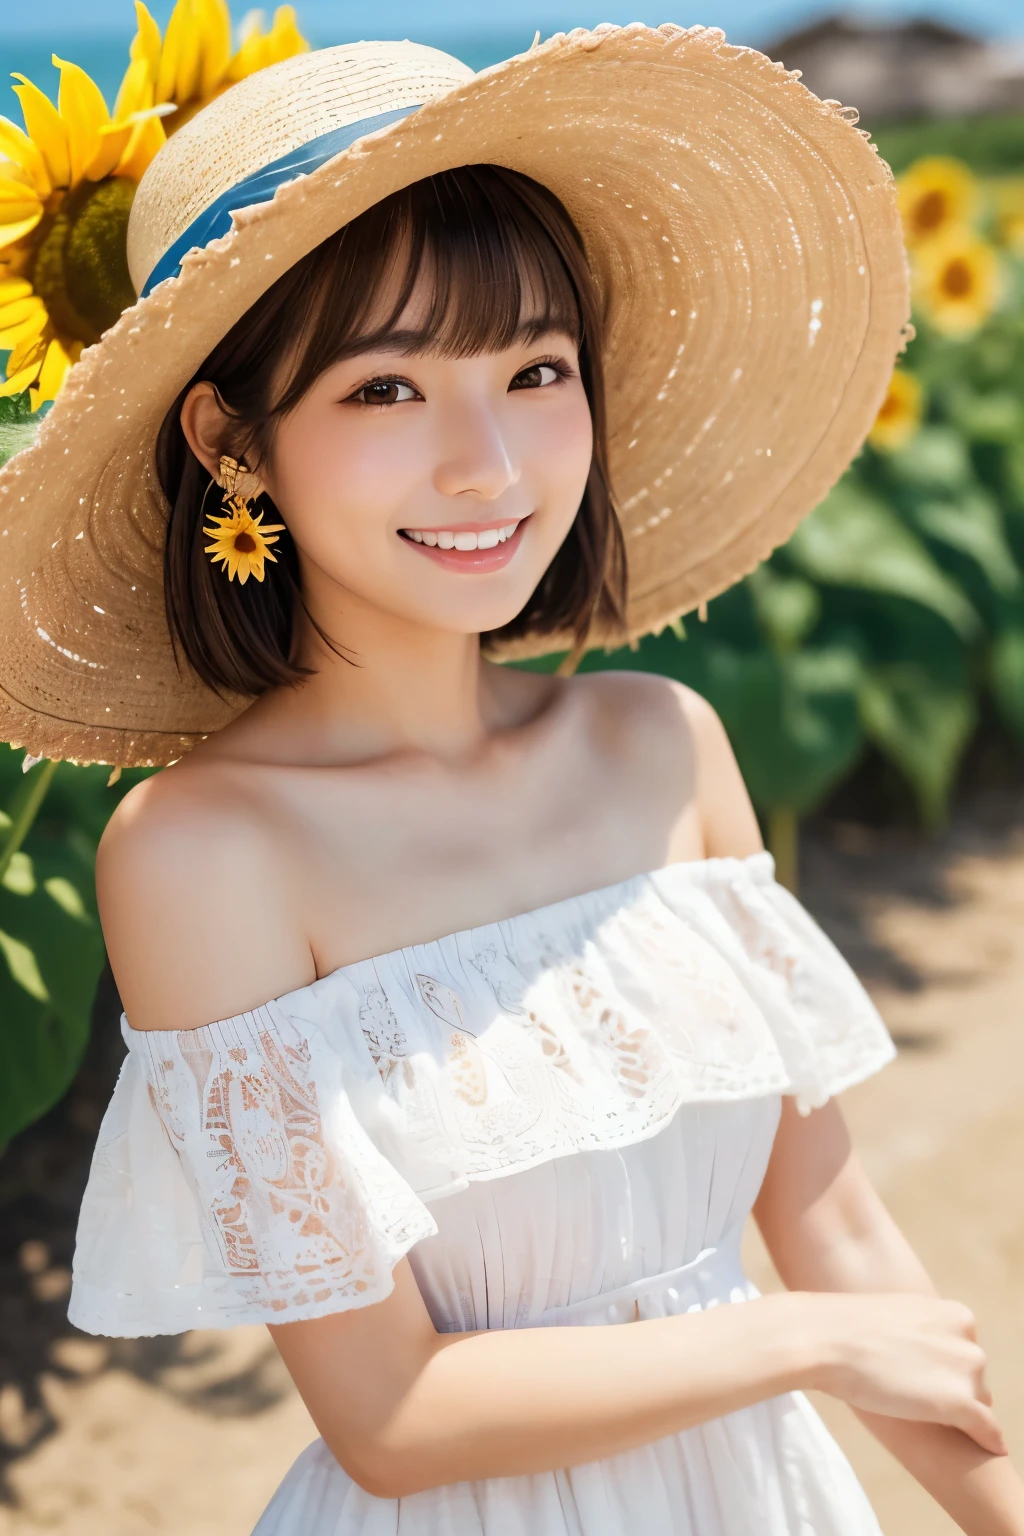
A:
[(1008, 199), (68, 180), (900, 414), (935, 194), (957, 281), (257, 48)]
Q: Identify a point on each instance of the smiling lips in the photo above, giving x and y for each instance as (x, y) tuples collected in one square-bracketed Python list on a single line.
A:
[(470, 546), (465, 538)]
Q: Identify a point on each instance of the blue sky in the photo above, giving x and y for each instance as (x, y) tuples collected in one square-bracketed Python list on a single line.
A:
[(329, 20), (96, 33)]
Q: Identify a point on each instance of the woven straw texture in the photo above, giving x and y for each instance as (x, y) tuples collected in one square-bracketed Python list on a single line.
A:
[(744, 233)]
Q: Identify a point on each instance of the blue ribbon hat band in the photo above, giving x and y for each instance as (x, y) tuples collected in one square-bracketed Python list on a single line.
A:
[(215, 220)]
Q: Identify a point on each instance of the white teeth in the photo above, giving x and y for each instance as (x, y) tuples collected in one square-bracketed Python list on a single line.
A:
[(465, 540)]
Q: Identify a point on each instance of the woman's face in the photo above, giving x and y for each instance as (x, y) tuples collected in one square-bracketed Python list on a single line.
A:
[(435, 488)]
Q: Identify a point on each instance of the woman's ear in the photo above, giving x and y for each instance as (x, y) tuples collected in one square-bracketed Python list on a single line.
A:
[(207, 427)]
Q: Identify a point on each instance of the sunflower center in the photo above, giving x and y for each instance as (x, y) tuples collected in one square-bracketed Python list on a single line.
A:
[(245, 543), (891, 406), (930, 212), (80, 270), (956, 279)]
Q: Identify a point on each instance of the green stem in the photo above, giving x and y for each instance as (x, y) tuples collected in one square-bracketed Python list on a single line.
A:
[(26, 813), (784, 845)]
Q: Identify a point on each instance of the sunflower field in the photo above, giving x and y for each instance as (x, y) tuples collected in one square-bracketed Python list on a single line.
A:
[(892, 622)]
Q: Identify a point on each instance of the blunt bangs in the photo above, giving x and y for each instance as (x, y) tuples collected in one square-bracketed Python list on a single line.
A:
[(468, 248)]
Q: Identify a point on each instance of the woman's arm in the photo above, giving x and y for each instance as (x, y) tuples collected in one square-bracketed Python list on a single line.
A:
[(404, 1408), (827, 1230)]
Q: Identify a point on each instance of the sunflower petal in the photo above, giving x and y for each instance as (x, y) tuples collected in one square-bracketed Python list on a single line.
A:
[(25, 354), (19, 382), (16, 181), (215, 32), (13, 288), (113, 142), (178, 79), (19, 148), (118, 141), (46, 129), (257, 48), (10, 234), (285, 39), (148, 138), (15, 310), (26, 330), (84, 111), (146, 44), (53, 372), (17, 202), (135, 93)]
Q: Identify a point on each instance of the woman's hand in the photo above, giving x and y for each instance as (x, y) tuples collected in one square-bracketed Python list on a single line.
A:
[(906, 1357)]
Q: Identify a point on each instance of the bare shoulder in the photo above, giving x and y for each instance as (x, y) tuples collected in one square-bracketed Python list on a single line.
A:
[(650, 712), (673, 731), (192, 890)]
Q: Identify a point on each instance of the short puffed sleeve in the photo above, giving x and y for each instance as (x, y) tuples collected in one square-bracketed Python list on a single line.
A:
[(825, 1028), (233, 1183)]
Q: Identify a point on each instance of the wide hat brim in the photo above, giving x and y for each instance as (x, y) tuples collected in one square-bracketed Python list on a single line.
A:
[(745, 236)]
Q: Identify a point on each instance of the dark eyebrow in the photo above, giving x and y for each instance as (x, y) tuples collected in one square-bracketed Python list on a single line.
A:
[(411, 342)]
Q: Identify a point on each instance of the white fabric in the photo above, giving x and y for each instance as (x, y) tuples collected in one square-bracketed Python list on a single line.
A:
[(567, 1242), (564, 1118)]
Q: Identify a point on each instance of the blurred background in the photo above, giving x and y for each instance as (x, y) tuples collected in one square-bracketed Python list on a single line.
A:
[(870, 674)]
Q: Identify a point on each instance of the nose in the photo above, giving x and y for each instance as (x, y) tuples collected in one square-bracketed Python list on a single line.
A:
[(474, 458)]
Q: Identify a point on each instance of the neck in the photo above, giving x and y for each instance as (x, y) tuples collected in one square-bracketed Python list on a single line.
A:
[(397, 686)]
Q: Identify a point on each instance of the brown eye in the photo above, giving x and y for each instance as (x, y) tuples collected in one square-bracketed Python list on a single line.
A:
[(385, 392), (535, 377)]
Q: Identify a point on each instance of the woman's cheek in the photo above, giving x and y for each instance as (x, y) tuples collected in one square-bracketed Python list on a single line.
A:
[(566, 453), (337, 489)]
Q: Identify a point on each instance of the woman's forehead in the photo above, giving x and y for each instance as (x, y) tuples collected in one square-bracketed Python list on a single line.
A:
[(439, 310)]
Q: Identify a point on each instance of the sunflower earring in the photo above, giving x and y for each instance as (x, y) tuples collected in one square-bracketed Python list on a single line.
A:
[(240, 543)]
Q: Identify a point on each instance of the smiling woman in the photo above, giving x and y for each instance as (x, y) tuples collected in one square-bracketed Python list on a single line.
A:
[(481, 1075), (480, 263)]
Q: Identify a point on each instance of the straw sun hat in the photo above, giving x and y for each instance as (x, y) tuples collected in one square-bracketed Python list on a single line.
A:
[(744, 233)]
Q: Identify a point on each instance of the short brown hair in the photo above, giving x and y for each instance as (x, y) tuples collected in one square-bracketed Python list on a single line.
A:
[(489, 236)]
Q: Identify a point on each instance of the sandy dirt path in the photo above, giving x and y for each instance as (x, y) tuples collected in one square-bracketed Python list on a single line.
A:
[(192, 1437)]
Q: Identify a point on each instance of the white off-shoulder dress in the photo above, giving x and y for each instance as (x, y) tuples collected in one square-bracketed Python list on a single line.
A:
[(563, 1118)]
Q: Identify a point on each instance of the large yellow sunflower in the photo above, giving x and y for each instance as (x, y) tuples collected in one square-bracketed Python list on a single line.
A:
[(957, 281), (68, 179), (935, 194), (901, 412)]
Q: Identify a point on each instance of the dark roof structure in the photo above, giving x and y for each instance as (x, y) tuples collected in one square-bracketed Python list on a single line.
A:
[(910, 69)]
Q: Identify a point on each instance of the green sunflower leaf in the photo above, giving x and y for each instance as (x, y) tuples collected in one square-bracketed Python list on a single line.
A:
[(854, 540)]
